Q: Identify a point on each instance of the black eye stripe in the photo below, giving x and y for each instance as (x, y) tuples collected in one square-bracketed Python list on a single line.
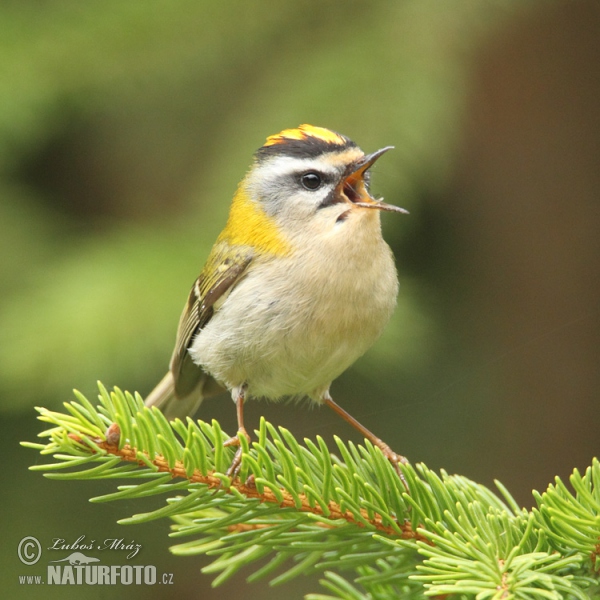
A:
[(329, 200)]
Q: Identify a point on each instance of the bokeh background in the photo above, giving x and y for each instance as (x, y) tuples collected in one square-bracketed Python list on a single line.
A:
[(124, 129)]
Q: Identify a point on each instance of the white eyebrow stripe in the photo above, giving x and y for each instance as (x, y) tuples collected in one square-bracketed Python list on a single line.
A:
[(283, 165)]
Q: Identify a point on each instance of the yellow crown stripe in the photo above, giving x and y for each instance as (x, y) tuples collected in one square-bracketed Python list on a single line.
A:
[(304, 131)]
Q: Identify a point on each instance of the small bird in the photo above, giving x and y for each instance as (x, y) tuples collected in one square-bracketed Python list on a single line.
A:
[(297, 287)]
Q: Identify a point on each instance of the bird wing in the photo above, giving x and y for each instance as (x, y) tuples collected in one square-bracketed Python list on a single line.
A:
[(225, 266)]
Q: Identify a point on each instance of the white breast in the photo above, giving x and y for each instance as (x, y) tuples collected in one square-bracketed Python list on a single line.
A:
[(293, 324)]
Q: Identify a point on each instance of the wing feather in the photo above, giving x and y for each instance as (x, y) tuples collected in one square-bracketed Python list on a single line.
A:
[(224, 268)]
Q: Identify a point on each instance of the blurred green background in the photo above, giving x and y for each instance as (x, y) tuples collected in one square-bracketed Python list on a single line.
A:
[(124, 129)]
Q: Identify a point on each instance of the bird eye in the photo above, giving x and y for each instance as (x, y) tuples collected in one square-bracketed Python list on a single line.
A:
[(311, 180)]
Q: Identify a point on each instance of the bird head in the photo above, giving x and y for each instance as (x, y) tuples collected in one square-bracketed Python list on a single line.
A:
[(304, 179)]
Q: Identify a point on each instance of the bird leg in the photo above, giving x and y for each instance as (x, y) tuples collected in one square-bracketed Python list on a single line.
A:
[(395, 459), (236, 464)]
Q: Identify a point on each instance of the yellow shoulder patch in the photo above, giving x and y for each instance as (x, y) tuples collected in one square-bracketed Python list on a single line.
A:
[(304, 131), (249, 225)]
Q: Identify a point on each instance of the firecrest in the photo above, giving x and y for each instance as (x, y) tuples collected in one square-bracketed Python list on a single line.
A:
[(298, 285)]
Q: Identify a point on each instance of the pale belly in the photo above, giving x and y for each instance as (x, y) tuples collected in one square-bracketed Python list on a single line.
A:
[(290, 332)]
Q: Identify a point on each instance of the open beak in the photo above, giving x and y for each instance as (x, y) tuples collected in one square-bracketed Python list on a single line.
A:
[(354, 189)]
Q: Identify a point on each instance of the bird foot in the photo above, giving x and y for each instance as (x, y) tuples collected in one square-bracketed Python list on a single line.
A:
[(236, 463), (396, 460), (235, 440)]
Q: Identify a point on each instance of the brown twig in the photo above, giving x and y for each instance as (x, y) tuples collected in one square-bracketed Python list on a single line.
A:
[(129, 454)]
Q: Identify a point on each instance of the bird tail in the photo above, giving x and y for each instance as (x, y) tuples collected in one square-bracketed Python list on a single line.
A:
[(164, 398), (174, 406)]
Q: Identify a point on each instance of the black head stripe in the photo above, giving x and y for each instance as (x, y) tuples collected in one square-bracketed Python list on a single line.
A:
[(307, 147)]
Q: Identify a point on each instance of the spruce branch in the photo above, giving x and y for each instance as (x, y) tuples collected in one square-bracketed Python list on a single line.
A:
[(348, 517)]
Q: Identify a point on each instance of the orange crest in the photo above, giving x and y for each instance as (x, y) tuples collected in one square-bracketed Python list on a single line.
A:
[(304, 131)]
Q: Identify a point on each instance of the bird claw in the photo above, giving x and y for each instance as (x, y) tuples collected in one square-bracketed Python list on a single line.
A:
[(236, 464), (396, 460)]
